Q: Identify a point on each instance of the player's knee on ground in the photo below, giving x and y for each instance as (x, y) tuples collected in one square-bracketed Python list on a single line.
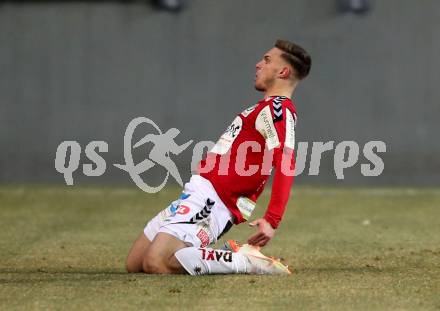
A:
[(154, 264), (133, 262), (133, 265), (135, 257)]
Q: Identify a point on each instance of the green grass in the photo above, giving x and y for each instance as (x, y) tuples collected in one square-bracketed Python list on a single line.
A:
[(351, 249)]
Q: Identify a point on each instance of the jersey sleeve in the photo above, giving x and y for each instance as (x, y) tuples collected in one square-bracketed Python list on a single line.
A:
[(279, 132)]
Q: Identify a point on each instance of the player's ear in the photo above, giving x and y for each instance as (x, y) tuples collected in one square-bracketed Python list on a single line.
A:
[(285, 72)]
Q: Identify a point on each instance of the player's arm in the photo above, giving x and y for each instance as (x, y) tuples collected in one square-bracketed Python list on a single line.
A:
[(281, 186), (282, 183), (284, 163)]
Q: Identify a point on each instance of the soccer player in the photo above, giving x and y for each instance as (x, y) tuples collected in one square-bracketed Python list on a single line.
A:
[(229, 181)]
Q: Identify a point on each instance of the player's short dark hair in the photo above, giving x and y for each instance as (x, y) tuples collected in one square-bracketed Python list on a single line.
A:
[(296, 56)]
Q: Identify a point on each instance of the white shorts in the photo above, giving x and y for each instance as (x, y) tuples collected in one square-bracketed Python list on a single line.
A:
[(198, 217)]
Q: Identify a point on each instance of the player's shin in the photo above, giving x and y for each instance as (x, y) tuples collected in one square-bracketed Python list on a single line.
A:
[(197, 261)]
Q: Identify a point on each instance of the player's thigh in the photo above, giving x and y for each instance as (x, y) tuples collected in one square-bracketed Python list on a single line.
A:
[(160, 255), (137, 253)]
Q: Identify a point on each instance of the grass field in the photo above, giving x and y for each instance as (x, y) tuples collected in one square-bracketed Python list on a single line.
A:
[(351, 249)]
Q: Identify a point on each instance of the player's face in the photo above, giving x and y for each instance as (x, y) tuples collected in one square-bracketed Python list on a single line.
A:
[(267, 69)]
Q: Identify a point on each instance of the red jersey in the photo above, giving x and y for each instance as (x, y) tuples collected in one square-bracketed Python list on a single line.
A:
[(260, 138)]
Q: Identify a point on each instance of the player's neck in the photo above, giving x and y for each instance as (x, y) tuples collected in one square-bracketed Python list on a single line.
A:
[(283, 90)]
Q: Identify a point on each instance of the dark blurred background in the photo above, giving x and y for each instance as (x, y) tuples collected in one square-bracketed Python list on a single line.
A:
[(81, 70)]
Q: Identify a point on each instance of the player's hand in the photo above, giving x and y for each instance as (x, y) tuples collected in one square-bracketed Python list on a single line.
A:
[(264, 235)]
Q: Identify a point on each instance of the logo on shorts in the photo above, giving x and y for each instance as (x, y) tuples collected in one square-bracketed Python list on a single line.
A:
[(183, 210), (175, 208), (203, 214), (203, 237)]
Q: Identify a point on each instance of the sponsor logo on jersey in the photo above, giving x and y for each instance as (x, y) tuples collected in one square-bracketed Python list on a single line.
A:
[(264, 124), (290, 130)]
